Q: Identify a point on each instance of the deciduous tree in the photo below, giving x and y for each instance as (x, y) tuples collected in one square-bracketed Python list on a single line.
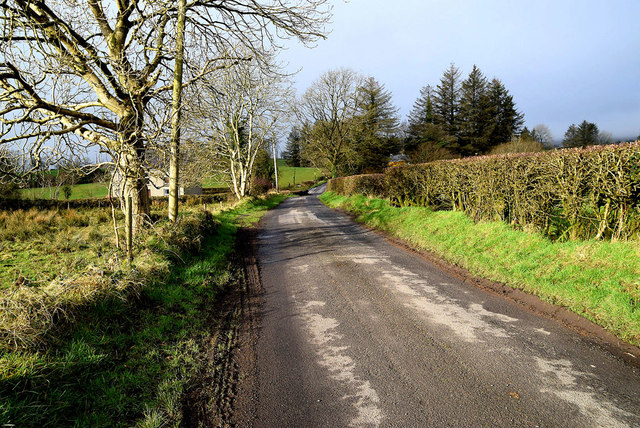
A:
[(99, 73), (237, 111), (542, 134), (327, 110)]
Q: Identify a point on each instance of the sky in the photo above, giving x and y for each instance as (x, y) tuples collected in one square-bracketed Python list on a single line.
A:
[(564, 61)]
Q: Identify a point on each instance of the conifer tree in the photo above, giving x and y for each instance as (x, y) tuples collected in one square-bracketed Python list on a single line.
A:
[(585, 134), (377, 122), (473, 113), (422, 111), (504, 120), (420, 116), (446, 100), (292, 150)]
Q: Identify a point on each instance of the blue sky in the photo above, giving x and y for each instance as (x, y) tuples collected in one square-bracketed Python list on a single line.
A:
[(564, 61)]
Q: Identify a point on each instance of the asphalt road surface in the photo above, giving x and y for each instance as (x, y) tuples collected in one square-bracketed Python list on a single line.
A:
[(358, 332)]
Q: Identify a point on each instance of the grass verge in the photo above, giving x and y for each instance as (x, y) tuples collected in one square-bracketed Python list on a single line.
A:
[(128, 360), (596, 279)]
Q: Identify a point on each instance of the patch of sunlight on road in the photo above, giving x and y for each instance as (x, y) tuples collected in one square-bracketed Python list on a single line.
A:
[(469, 323), (472, 322), (342, 367), (299, 216), (563, 382)]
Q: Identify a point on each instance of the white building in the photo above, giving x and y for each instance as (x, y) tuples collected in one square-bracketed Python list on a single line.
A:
[(159, 186)]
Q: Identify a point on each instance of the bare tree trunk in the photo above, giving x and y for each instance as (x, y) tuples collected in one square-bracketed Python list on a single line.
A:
[(174, 188), (113, 212), (134, 179), (129, 227)]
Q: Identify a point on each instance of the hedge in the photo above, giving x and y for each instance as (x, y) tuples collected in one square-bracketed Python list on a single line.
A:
[(567, 194), (372, 185)]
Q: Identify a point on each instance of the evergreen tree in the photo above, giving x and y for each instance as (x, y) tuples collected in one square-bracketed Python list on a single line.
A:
[(465, 118), (420, 116), (525, 134), (263, 166), (422, 111), (425, 140), (473, 114), (375, 107), (446, 101), (376, 124), (585, 134), (292, 150), (504, 121)]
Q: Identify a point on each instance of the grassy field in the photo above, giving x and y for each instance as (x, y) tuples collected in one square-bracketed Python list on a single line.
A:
[(289, 175), (596, 279), (286, 176), (78, 191), (126, 354)]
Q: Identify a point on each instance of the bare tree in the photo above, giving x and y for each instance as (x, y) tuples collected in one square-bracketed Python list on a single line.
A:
[(542, 134), (99, 74), (605, 138), (327, 110), (238, 111)]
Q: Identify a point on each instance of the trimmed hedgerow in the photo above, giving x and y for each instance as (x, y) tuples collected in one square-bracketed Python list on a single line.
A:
[(372, 185), (566, 194)]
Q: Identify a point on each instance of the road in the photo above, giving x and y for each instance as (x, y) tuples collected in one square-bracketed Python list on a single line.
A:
[(355, 331)]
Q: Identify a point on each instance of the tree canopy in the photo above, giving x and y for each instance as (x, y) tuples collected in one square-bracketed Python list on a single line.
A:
[(75, 75), (462, 117), (582, 135)]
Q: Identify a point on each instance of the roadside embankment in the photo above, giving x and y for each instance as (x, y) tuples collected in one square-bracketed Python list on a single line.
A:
[(116, 357)]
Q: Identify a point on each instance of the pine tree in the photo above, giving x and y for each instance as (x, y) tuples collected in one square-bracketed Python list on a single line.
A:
[(446, 101), (585, 134), (375, 106), (473, 114), (504, 121), (422, 111), (420, 116), (292, 150), (377, 122)]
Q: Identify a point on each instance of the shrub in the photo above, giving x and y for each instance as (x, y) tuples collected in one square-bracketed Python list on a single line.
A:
[(518, 145), (566, 194), (9, 191), (259, 186), (573, 193), (67, 190), (373, 185)]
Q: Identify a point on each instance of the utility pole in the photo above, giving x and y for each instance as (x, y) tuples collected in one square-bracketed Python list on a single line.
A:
[(275, 163), (174, 160)]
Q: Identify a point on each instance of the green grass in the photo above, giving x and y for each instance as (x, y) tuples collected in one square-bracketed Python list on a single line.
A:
[(129, 361), (301, 174), (41, 246), (78, 191), (286, 176), (596, 279)]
